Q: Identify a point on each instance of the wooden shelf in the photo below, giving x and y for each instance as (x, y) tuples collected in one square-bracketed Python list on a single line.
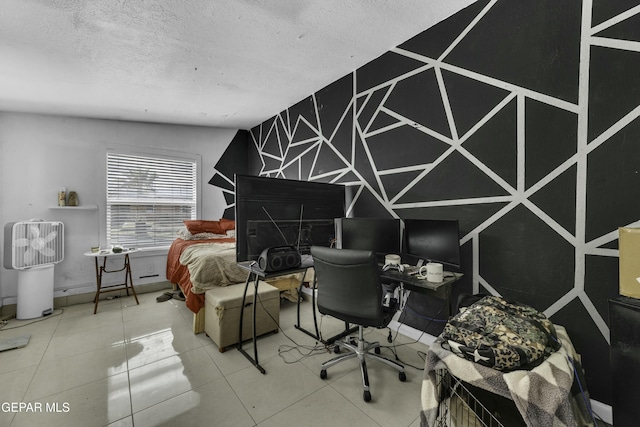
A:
[(76, 208)]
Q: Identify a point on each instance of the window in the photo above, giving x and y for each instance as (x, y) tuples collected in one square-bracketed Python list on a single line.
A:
[(148, 197)]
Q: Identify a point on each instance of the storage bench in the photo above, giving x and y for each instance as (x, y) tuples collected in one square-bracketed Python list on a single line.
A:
[(222, 312)]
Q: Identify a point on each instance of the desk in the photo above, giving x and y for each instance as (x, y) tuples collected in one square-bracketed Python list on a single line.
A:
[(441, 290), (410, 282), (254, 272), (101, 269)]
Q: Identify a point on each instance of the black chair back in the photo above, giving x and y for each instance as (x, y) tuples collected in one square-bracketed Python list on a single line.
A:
[(349, 286)]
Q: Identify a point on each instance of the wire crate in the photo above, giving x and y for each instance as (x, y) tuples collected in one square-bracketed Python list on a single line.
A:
[(465, 405)]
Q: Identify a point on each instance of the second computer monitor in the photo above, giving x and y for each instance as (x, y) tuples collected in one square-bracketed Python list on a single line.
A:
[(379, 235), (432, 240)]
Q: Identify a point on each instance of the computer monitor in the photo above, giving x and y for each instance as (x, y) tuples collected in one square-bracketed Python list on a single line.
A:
[(379, 235), (303, 234), (294, 205), (432, 240)]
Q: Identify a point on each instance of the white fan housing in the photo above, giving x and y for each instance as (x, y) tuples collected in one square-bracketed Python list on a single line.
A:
[(33, 247), (33, 243)]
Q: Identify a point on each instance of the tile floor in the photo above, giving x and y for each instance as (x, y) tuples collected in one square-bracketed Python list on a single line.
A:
[(141, 365)]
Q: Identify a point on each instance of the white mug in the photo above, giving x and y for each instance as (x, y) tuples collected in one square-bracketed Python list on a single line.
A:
[(433, 272), (392, 259)]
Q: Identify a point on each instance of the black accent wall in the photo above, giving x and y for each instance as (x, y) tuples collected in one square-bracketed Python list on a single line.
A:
[(518, 118), (233, 161)]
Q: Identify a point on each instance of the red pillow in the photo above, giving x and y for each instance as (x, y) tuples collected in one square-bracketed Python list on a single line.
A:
[(197, 226), (227, 224)]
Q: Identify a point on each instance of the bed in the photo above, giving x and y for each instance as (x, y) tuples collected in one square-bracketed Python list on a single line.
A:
[(204, 256)]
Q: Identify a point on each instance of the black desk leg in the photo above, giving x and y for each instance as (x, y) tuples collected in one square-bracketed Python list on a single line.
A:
[(254, 359), (313, 302), (135, 295), (98, 285)]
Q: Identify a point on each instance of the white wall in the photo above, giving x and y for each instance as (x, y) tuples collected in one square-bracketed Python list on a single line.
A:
[(40, 154)]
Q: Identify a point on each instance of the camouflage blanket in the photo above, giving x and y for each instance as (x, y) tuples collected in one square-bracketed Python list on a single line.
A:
[(547, 395)]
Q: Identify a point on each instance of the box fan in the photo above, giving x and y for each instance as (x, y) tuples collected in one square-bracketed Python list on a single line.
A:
[(33, 247)]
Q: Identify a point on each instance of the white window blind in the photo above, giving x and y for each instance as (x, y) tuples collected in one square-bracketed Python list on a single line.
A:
[(148, 198)]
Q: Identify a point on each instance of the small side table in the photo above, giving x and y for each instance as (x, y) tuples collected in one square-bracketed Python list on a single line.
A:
[(100, 269)]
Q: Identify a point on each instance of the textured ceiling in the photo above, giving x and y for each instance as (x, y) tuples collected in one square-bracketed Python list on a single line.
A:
[(201, 62)]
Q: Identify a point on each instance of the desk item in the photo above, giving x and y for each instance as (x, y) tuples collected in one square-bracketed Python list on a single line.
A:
[(398, 267), (414, 283), (392, 259), (410, 269), (433, 272), (101, 269), (278, 258), (351, 290)]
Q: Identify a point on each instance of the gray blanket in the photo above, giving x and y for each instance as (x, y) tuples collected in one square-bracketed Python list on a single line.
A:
[(212, 264), (547, 395)]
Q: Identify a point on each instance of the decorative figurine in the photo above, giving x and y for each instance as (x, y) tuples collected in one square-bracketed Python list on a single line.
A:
[(73, 199), (62, 197)]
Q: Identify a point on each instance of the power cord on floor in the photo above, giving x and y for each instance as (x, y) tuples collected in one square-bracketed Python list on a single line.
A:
[(305, 351), (55, 313)]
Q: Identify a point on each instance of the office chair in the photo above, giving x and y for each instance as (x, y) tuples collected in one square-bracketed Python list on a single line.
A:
[(349, 289)]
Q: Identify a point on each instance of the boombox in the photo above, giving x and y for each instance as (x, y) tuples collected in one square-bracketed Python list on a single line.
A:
[(278, 258)]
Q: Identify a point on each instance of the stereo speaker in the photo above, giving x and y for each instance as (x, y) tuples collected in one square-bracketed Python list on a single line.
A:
[(279, 258)]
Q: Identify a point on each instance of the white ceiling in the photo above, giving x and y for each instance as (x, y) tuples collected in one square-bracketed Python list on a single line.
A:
[(227, 63)]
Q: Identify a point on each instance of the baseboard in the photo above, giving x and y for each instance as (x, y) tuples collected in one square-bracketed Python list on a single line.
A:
[(87, 297), (602, 411)]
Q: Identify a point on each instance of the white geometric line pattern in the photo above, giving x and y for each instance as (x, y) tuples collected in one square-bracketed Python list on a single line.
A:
[(513, 197), (370, 138)]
